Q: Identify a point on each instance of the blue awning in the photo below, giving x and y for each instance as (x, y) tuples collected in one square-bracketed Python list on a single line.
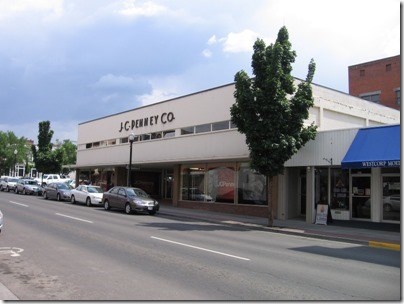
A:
[(374, 148)]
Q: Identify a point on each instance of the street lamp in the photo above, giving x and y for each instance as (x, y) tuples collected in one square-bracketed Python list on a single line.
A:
[(131, 139), (15, 161)]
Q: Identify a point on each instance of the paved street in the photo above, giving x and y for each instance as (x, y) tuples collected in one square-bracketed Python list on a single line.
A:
[(53, 250)]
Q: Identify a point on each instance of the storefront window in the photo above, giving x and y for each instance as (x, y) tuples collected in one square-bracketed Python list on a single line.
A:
[(193, 183), (221, 184), (391, 198), (339, 189), (251, 187), (361, 203)]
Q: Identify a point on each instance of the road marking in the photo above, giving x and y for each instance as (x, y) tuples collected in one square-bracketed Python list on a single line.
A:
[(200, 248), (75, 218), (12, 251), (19, 204)]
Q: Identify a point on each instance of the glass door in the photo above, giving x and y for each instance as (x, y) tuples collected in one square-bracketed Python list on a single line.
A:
[(360, 194)]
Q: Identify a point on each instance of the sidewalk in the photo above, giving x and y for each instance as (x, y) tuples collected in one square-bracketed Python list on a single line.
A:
[(383, 235)]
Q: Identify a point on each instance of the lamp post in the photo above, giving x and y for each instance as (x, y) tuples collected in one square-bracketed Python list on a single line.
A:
[(131, 139), (15, 161)]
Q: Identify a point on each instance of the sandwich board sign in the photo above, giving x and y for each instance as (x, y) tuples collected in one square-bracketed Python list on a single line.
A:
[(321, 214)]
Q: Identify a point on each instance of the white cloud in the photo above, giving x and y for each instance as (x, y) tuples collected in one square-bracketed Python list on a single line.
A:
[(163, 88), (235, 42), (207, 53), (130, 8), (113, 81), (212, 40), (239, 42), (11, 9), (155, 96)]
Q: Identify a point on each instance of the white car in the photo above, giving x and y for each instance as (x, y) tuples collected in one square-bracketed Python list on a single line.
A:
[(88, 194), (1, 220)]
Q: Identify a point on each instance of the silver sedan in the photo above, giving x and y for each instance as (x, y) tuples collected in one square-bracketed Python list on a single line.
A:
[(90, 195)]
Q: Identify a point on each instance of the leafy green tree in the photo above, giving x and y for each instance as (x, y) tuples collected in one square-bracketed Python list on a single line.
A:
[(69, 150), (46, 160), (9, 143), (270, 111)]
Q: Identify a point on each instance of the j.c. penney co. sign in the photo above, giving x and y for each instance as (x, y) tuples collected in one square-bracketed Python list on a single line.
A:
[(147, 121)]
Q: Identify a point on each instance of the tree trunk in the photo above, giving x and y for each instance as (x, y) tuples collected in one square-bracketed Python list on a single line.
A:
[(269, 200)]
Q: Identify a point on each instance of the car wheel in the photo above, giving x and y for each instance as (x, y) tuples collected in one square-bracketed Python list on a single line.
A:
[(106, 205), (8, 189), (72, 199), (128, 208), (45, 195), (58, 197), (88, 202), (24, 192), (16, 190), (387, 207)]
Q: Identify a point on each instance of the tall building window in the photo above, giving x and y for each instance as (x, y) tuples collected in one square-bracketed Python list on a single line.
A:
[(398, 96), (373, 96), (388, 67), (362, 73)]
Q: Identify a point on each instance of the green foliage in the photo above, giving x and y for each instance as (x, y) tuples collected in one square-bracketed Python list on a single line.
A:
[(69, 153), (9, 143), (268, 108), (46, 160)]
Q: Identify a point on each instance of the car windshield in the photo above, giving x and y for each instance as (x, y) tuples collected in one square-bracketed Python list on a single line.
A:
[(95, 190), (13, 180), (31, 182), (63, 186), (136, 192)]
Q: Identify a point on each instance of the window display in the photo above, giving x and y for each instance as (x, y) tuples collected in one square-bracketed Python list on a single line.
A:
[(339, 190), (391, 198), (251, 187), (221, 184)]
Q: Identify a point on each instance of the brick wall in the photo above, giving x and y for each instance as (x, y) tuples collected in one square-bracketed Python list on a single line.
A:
[(381, 75)]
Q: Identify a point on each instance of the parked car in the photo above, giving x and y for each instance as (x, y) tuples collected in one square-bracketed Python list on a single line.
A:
[(392, 203), (91, 195), (1, 220), (8, 184), (46, 179), (28, 186), (58, 191), (129, 199)]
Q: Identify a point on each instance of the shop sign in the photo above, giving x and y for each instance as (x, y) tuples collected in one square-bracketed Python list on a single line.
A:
[(321, 214), (147, 121), (376, 164)]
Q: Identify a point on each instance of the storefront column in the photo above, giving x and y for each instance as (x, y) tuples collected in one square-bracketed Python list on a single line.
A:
[(176, 184), (310, 195), (376, 195)]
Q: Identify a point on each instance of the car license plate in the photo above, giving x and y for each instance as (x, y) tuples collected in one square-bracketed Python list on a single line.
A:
[(150, 207)]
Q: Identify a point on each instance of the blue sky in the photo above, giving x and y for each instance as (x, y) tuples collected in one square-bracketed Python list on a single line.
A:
[(70, 61)]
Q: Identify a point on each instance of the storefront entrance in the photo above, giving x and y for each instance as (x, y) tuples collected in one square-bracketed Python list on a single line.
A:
[(361, 192)]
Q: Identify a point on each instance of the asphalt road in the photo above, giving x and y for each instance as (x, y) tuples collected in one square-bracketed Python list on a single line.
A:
[(53, 250)]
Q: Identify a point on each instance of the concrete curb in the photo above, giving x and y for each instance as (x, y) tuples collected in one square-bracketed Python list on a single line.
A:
[(291, 231)]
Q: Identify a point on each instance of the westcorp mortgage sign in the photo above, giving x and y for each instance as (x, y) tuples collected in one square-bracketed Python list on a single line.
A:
[(152, 120), (380, 164)]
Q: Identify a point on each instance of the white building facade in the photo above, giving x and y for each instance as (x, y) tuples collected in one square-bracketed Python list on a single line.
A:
[(187, 152)]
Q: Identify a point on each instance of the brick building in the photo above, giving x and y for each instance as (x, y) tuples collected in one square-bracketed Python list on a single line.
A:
[(377, 81)]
